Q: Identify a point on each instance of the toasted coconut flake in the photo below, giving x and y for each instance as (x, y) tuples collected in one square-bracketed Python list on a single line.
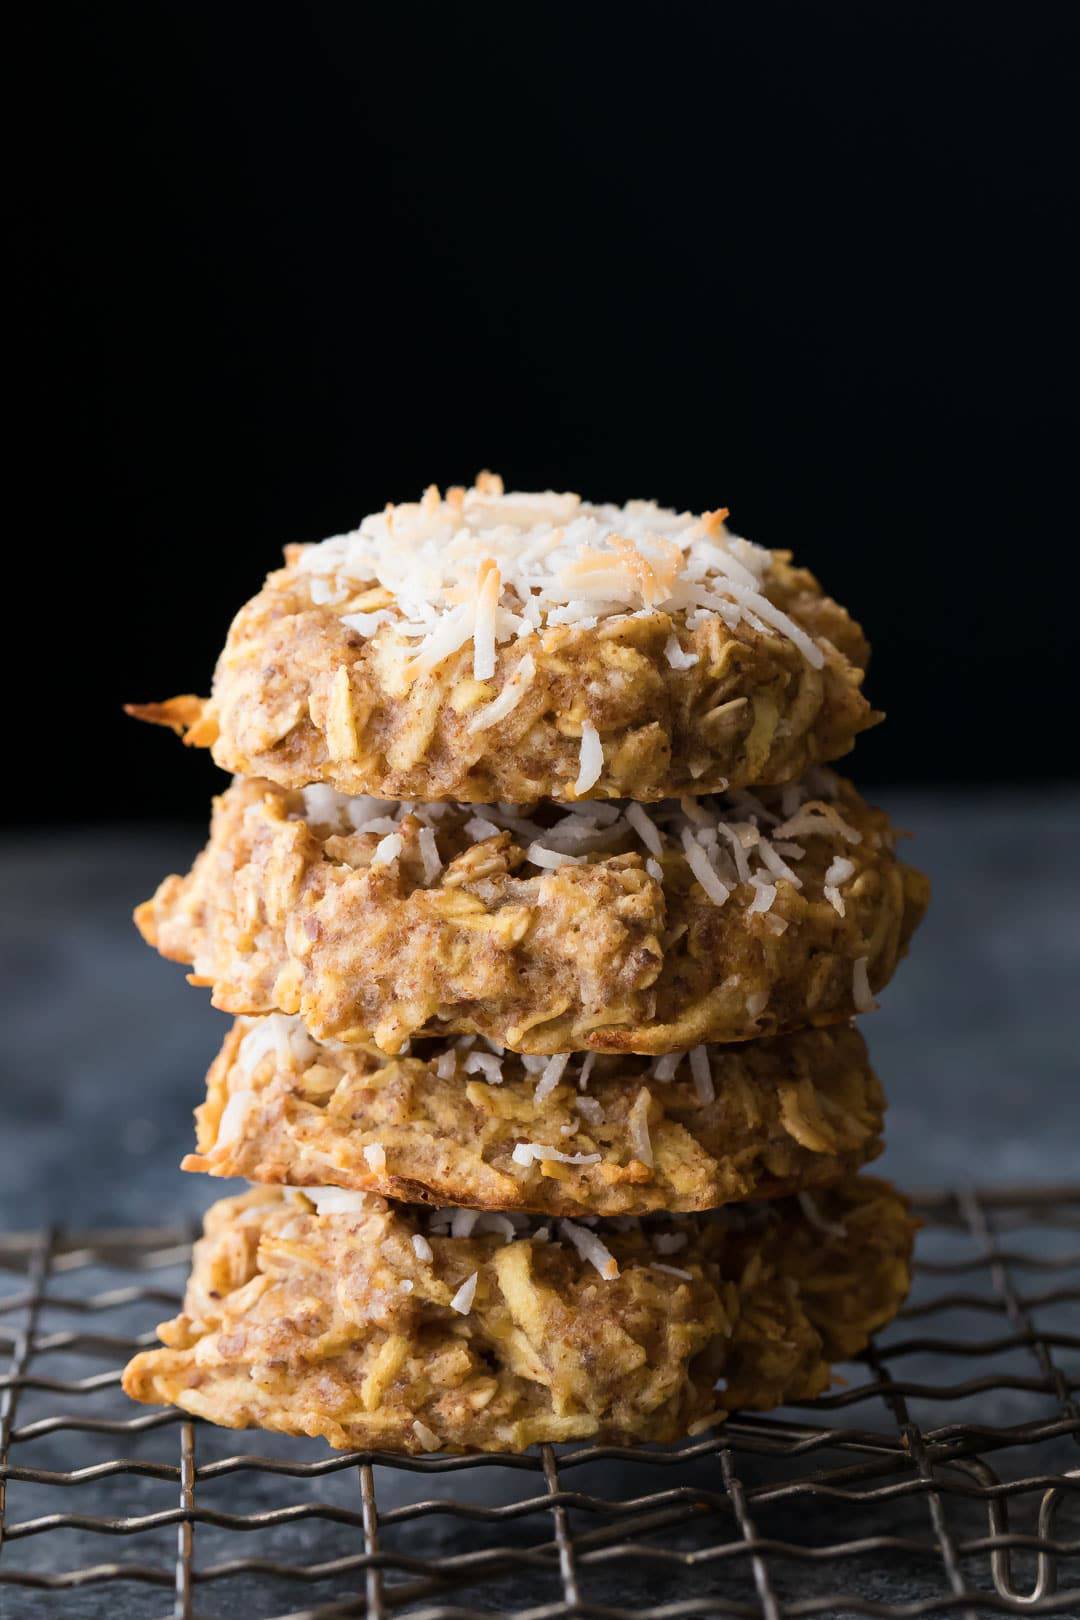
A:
[(590, 1248), (488, 589)]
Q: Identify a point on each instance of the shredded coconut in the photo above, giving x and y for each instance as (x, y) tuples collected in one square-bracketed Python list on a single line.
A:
[(508, 699), (387, 850), (676, 657), (669, 1242), (586, 1070), (375, 1154), (663, 1068), (487, 1064), (672, 1271), (703, 869), (422, 1248), (527, 1153), (764, 895), (281, 1034), (337, 1200), (645, 827), (491, 566), (446, 1067), (551, 859), (860, 986), (638, 1124), (701, 1071), (553, 1073), (591, 760), (429, 854), (590, 1248), (816, 1219), (462, 1301), (427, 1438), (233, 1116)]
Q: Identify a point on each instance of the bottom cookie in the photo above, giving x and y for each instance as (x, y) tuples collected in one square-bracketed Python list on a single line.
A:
[(400, 1328)]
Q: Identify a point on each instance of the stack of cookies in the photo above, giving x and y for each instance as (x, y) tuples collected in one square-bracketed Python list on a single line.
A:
[(543, 925)]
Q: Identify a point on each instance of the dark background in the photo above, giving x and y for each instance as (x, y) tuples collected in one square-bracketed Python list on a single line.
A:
[(279, 264)]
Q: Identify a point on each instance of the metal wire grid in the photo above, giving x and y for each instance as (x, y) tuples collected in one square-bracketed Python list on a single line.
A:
[(899, 1520)]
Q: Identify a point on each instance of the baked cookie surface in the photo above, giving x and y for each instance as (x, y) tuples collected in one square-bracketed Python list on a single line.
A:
[(378, 1327), (507, 646), (601, 928), (453, 1123)]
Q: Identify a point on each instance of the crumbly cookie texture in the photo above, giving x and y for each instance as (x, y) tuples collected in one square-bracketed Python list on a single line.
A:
[(602, 1135), (372, 1329), (720, 920), (502, 646)]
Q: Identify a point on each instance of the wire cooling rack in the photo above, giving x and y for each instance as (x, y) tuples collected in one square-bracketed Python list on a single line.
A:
[(940, 1477)]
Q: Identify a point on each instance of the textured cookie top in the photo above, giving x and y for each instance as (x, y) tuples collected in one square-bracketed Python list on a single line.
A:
[(491, 646), (483, 566)]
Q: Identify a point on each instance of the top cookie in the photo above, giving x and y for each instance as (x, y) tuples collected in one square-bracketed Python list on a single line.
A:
[(488, 646)]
